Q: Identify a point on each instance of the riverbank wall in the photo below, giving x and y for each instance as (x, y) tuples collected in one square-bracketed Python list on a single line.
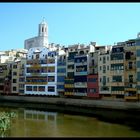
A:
[(63, 102)]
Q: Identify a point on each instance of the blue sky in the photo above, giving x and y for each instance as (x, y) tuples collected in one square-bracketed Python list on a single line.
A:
[(69, 23)]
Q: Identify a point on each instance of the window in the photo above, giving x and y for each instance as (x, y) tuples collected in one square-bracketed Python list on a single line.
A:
[(14, 88), (21, 86), (117, 67), (14, 73), (1, 87), (92, 90), (93, 62), (34, 88), (138, 64), (107, 58), (100, 59), (107, 67), (130, 65), (51, 69), (104, 60), (118, 56), (52, 55), (138, 76), (60, 79), (92, 79), (104, 80), (118, 88), (51, 78), (60, 86), (117, 79), (51, 89), (14, 66), (104, 69), (14, 80), (130, 78), (41, 88), (100, 80), (100, 67), (70, 74), (37, 56), (108, 79), (138, 52), (28, 88)]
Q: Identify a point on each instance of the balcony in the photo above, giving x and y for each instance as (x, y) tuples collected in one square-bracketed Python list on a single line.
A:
[(51, 61), (130, 81), (130, 68), (116, 61), (132, 57), (69, 86), (80, 85), (60, 63), (36, 62), (21, 74), (69, 81), (80, 94), (36, 83), (130, 89), (81, 73), (81, 63), (131, 98), (117, 92), (70, 70), (69, 93)]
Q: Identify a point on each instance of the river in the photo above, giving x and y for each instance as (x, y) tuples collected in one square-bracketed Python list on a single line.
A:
[(29, 122)]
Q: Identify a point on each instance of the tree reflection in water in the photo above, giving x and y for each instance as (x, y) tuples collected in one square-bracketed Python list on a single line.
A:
[(5, 122)]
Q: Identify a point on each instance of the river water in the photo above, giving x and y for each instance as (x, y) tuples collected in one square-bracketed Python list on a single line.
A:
[(39, 123)]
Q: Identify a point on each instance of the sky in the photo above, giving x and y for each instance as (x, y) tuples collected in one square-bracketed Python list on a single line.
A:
[(68, 23)]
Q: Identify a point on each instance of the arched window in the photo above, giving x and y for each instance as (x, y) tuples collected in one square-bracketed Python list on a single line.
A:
[(42, 29), (37, 56)]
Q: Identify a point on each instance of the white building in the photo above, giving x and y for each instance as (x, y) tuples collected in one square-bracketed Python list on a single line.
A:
[(41, 66)]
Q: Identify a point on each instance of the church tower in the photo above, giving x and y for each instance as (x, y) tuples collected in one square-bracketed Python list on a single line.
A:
[(43, 32), (41, 40), (43, 29)]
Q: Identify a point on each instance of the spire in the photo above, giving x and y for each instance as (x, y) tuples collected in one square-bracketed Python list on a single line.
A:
[(43, 21)]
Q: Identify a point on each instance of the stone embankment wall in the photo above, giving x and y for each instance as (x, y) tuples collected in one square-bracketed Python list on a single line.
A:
[(118, 105)]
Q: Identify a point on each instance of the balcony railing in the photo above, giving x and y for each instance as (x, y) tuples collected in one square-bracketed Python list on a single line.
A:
[(80, 94), (61, 63), (131, 57), (69, 93), (81, 73), (36, 83), (36, 62), (69, 86), (130, 81), (80, 84), (129, 68)]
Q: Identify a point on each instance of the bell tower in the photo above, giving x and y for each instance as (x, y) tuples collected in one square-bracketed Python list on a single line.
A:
[(43, 29), (43, 33)]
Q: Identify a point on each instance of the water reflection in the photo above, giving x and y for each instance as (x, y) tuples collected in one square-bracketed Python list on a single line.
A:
[(37, 123), (39, 115)]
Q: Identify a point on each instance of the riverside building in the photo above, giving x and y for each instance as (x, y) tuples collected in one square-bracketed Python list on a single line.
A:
[(41, 66)]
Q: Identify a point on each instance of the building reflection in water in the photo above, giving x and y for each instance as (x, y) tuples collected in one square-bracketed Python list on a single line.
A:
[(39, 115), (36, 123)]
